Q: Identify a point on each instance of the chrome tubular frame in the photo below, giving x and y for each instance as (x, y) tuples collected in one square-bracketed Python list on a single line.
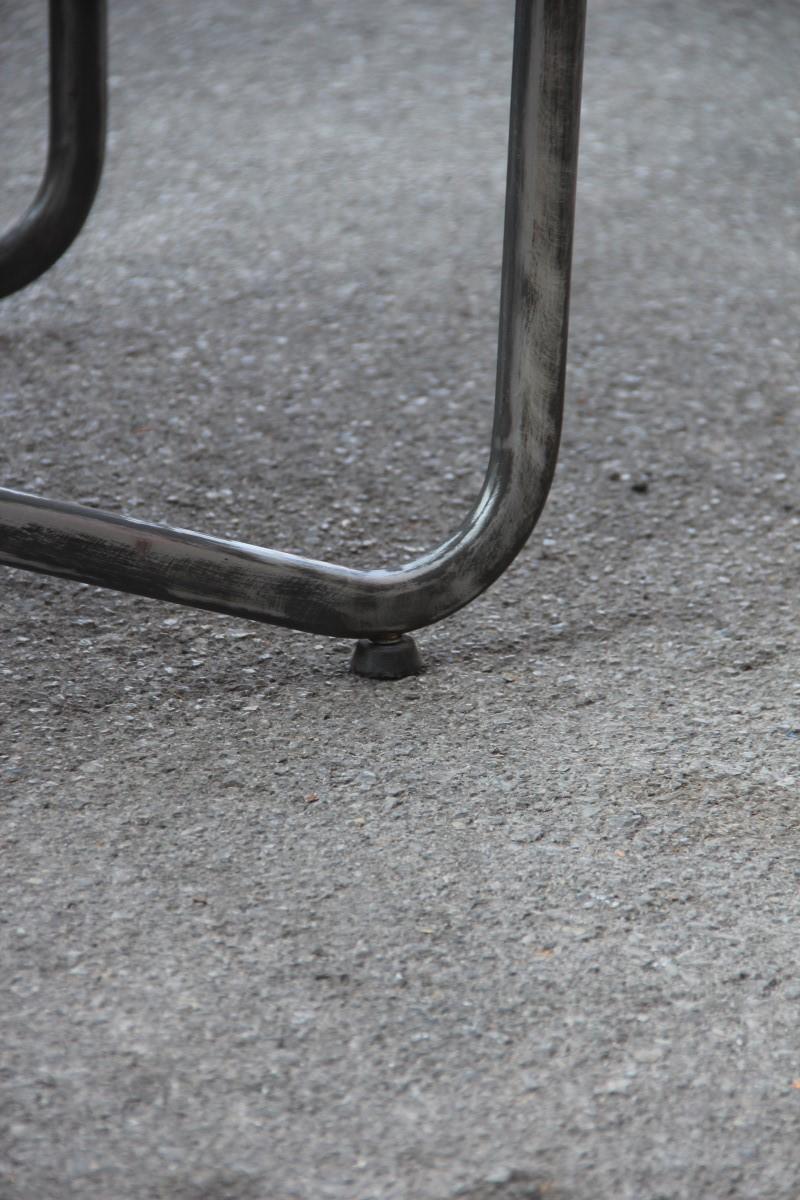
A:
[(76, 145), (96, 547)]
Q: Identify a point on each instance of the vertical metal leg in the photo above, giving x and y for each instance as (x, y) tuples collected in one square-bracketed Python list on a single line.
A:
[(76, 145), (265, 585)]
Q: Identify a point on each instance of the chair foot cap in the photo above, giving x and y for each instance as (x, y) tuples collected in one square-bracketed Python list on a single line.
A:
[(396, 659)]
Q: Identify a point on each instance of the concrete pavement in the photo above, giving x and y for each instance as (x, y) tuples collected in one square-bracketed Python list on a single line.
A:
[(526, 926)]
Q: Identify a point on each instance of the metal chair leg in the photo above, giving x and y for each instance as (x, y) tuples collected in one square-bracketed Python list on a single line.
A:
[(265, 585), (76, 145)]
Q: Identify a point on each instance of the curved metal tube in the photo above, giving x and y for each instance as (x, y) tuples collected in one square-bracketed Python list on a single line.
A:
[(243, 580), (76, 145)]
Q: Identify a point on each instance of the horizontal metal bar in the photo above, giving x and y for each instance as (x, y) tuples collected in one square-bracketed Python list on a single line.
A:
[(266, 585), (76, 145)]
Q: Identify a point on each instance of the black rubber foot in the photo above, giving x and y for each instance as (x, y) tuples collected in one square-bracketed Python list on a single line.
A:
[(386, 660)]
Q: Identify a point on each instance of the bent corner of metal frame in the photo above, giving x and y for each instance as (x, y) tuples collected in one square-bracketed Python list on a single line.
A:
[(379, 608)]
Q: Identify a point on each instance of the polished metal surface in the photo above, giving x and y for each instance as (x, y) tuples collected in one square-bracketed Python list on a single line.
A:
[(230, 577), (75, 149)]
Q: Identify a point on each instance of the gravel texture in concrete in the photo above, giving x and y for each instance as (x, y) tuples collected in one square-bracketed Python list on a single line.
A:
[(523, 928)]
